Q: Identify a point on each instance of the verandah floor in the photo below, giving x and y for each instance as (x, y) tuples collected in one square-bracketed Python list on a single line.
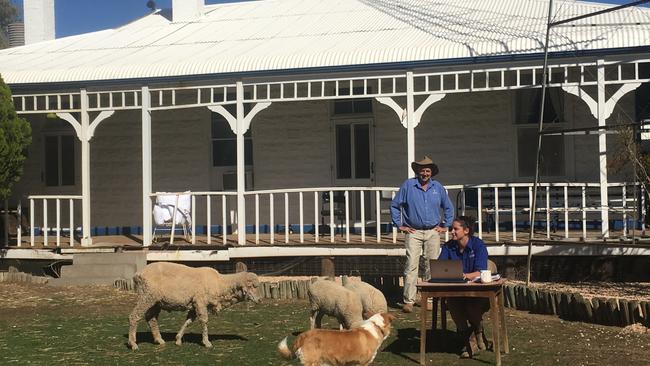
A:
[(279, 239)]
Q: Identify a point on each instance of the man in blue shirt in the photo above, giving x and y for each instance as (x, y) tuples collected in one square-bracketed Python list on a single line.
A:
[(415, 210)]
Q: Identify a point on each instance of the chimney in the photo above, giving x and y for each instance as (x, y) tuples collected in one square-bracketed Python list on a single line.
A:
[(39, 20), (16, 32), (187, 10)]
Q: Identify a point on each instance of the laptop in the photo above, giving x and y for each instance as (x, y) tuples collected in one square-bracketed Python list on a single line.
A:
[(446, 271)]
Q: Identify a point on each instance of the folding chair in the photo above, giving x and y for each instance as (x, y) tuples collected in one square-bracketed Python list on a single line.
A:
[(178, 205)]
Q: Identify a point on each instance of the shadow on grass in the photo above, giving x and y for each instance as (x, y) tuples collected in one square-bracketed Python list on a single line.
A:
[(407, 343), (168, 337)]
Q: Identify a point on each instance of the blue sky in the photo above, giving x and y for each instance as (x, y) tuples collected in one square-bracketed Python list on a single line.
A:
[(82, 16)]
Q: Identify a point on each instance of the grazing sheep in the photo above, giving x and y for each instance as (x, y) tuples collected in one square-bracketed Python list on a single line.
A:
[(171, 286), (372, 300), (329, 298)]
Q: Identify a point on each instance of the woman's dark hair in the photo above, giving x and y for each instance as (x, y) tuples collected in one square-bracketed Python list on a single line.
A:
[(466, 222)]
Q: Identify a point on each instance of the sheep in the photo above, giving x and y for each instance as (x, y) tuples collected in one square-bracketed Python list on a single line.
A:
[(330, 298), (171, 286), (372, 300)]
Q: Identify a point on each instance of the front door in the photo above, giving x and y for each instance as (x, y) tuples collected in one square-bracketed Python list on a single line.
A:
[(354, 165)]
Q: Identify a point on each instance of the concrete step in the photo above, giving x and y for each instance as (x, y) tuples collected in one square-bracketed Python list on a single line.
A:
[(85, 281), (137, 258), (112, 271)]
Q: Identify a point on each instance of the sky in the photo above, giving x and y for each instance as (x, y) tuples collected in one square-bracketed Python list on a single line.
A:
[(83, 16)]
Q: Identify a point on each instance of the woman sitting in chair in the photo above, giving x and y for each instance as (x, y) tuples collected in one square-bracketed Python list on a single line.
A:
[(472, 252)]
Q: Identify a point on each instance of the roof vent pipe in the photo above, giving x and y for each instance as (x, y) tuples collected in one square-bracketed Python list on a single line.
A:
[(39, 20), (187, 10)]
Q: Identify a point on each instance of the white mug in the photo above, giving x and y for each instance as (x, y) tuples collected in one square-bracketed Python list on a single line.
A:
[(486, 276)]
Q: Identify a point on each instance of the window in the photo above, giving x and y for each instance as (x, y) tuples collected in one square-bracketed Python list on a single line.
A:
[(552, 157), (352, 106), (59, 160), (224, 142), (642, 102)]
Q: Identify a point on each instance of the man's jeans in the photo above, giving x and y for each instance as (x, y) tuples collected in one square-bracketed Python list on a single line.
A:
[(421, 243)]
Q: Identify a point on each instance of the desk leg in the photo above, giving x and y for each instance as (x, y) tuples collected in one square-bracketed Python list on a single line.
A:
[(434, 313), (502, 320), (494, 314), (423, 327), (443, 313)]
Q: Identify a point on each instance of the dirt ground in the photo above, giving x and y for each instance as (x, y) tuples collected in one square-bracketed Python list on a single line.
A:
[(42, 325)]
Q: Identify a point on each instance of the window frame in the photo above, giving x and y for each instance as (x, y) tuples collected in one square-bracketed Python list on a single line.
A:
[(562, 123), (248, 137), (59, 145)]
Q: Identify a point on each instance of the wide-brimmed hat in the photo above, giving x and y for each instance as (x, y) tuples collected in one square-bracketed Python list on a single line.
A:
[(424, 162)]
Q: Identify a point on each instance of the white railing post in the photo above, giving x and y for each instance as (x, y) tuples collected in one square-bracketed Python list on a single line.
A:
[(316, 226), (286, 218), (548, 212), (332, 216), (224, 218), (208, 229), (271, 219), (392, 197), (45, 222), (58, 222), (624, 206), (530, 209), (257, 218), (19, 223), (301, 214), (496, 213), (346, 196), (566, 212), (479, 212), (378, 214), (193, 219), (32, 226), (513, 206), (71, 219), (583, 208), (173, 232), (363, 216)]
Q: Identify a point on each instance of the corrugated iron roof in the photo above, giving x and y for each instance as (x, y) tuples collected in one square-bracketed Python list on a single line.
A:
[(298, 34)]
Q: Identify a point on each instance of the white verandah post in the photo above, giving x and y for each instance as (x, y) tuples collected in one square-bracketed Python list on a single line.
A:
[(410, 123), (146, 168), (241, 172), (86, 240), (602, 151)]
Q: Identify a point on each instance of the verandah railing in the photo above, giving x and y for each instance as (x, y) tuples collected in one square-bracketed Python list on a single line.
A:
[(317, 215)]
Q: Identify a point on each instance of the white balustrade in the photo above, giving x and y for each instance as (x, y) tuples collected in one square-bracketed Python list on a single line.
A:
[(44, 212), (352, 211)]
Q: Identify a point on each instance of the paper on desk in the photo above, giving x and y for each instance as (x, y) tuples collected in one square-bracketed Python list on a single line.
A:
[(495, 277)]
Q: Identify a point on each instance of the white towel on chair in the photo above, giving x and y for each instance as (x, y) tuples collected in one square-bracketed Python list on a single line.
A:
[(164, 209)]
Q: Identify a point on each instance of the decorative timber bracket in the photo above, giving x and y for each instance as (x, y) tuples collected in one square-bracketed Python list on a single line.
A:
[(593, 104), (232, 120), (402, 112)]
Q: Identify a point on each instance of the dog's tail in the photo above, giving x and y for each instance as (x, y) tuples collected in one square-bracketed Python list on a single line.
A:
[(284, 350)]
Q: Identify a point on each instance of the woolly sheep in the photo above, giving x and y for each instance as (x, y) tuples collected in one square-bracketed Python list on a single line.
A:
[(372, 300), (171, 286), (330, 298)]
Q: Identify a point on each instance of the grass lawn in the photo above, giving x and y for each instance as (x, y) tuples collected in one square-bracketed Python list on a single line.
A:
[(41, 325)]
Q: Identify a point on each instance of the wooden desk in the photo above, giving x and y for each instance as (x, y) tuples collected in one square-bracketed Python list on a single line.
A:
[(492, 291)]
